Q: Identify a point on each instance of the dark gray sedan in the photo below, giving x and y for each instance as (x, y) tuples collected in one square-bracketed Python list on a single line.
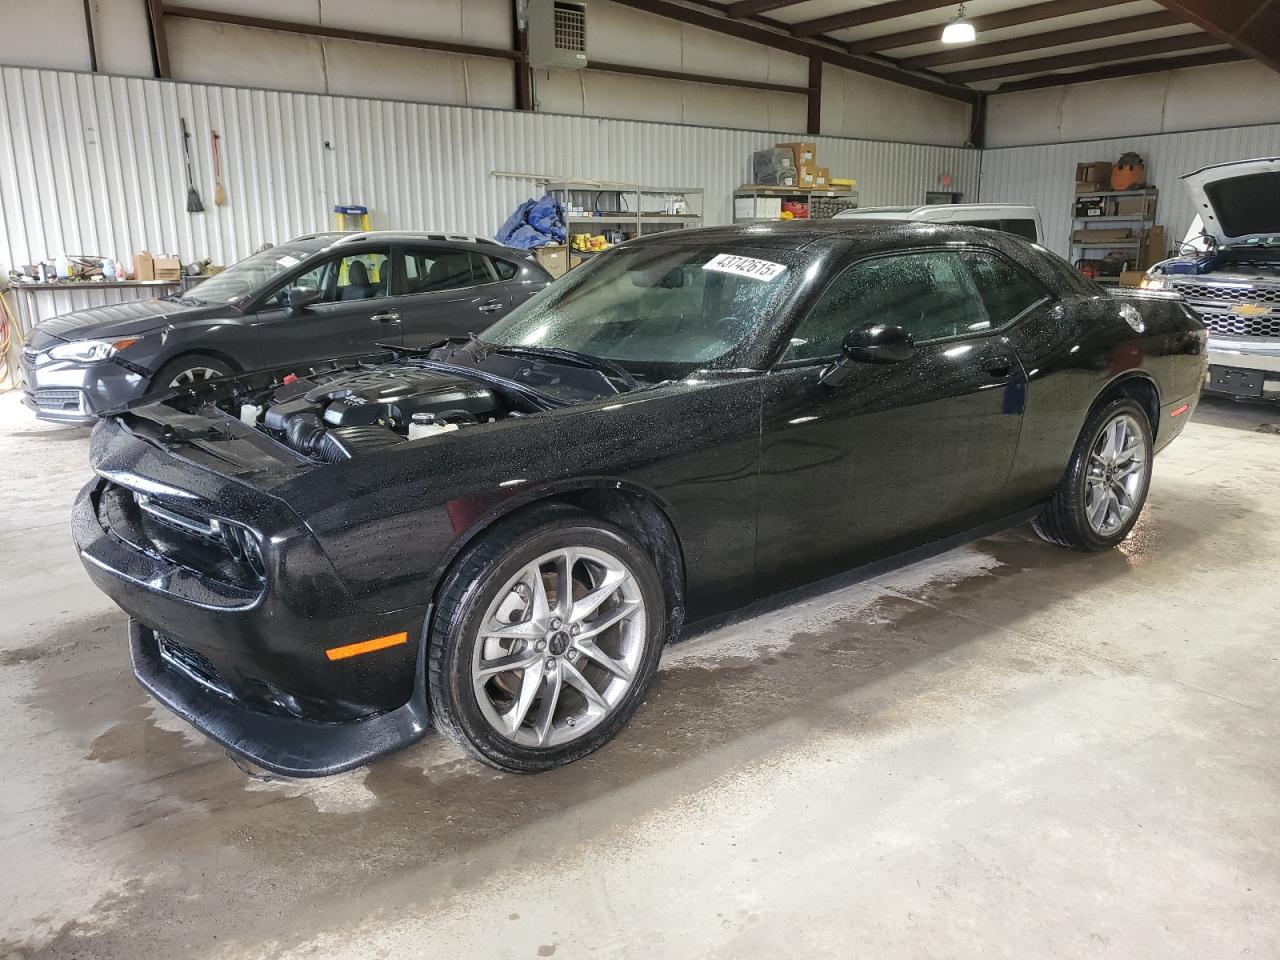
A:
[(313, 298)]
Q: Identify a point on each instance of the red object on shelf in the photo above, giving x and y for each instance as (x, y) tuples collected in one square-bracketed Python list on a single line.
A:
[(797, 208)]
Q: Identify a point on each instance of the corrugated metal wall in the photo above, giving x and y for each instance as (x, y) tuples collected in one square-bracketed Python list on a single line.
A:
[(1045, 175), (93, 164)]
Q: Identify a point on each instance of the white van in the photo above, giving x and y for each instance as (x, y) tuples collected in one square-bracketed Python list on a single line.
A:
[(1020, 219)]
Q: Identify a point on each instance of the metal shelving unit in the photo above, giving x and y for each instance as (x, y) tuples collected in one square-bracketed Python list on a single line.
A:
[(628, 207), (755, 191), (1143, 222)]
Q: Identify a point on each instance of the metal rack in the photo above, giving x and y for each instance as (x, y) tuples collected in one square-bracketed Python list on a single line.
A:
[(755, 191), (628, 207), (1143, 222)]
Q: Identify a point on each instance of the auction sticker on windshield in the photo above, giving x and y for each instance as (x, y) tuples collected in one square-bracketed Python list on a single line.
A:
[(744, 266)]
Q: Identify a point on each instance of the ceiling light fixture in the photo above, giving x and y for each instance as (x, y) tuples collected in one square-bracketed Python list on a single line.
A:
[(959, 30)]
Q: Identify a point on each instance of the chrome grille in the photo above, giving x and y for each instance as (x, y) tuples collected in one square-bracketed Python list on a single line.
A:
[(1243, 293), (64, 400), (1229, 325)]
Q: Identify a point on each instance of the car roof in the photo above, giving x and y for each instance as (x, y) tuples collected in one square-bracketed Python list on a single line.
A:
[(335, 237), (866, 232)]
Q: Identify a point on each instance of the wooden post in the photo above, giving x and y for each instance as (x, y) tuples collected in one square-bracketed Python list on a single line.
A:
[(814, 125), (159, 44)]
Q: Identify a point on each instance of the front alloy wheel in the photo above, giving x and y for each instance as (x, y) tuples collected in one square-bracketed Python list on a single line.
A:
[(546, 634), (560, 646)]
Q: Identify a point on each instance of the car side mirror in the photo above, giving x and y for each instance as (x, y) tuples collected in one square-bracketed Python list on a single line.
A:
[(878, 343), (299, 298)]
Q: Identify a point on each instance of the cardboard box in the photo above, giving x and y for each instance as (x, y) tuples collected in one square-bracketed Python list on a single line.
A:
[(144, 265), (823, 180), (744, 208), (1132, 278), (1091, 186), (168, 268), (553, 258), (1139, 206), (1101, 236), (1094, 171), (1154, 247), (803, 152), (807, 179), (768, 208), (807, 169)]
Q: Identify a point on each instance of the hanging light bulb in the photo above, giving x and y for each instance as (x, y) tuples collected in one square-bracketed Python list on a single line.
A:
[(959, 30)]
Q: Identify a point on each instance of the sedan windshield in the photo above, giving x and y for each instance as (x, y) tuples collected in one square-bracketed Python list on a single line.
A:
[(650, 306), (251, 273)]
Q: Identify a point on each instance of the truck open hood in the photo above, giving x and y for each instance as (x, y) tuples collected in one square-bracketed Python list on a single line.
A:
[(1238, 201)]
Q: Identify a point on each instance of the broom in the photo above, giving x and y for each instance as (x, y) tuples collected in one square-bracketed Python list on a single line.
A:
[(219, 191), (194, 203)]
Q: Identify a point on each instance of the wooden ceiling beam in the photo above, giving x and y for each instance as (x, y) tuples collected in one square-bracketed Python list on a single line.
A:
[(865, 15), (884, 70), (1116, 70), (751, 8), (1251, 26), (1084, 58), (992, 21), (1044, 41)]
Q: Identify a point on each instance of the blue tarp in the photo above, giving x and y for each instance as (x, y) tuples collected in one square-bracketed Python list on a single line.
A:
[(535, 223)]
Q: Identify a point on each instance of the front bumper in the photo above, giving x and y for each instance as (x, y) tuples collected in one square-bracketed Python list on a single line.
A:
[(281, 744), (245, 662), (1255, 356), (63, 391)]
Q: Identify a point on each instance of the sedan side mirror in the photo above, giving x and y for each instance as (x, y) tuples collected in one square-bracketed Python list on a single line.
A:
[(300, 298), (879, 343)]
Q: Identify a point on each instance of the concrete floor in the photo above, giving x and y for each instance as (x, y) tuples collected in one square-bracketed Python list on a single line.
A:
[(1009, 751)]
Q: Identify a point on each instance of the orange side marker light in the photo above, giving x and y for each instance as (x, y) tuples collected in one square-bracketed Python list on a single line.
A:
[(367, 646), (1179, 411)]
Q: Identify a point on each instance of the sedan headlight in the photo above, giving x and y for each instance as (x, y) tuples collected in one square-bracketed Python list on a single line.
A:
[(89, 351)]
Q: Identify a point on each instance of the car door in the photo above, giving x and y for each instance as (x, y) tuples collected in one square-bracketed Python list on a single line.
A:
[(898, 454), (446, 292), (353, 314)]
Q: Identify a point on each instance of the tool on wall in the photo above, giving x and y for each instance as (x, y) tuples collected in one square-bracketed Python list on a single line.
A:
[(219, 191), (194, 203)]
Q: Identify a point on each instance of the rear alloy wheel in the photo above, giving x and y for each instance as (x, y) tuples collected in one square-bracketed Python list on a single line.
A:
[(1099, 500), (544, 642)]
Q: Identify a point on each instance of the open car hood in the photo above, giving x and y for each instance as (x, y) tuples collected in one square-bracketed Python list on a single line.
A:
[(1238, 201)]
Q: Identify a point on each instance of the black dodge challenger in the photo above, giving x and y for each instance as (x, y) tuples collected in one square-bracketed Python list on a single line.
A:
[(496, 535)]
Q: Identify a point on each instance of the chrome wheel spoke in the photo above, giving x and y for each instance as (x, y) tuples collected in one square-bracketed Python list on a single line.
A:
[(1098, 511), (517, 661), (524, 630), (1130, 468), (588, 605), (542, 723), (564, 564), (541, 606), (600, 624), (580, 683), (529, 684), (616, 667)]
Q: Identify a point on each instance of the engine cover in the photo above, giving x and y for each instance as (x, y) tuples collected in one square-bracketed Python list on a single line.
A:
[(391, 395)]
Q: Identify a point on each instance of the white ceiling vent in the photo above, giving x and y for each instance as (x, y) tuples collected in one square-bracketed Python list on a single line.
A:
[(557, 35)]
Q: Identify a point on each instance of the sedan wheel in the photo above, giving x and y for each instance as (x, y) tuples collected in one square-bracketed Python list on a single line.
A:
[(561, 646), (192, 376), (545, 636)]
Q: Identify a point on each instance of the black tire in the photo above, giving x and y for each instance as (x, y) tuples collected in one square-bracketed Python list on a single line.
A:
[(462, 601), (187, 363), (1063, 521)]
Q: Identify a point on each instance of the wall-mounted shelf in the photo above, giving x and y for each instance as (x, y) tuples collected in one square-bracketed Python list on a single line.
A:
[(830, 202), (628, 207)]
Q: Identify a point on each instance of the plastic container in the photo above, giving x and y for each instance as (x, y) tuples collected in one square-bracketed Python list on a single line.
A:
[(426, 425), (249, 413)]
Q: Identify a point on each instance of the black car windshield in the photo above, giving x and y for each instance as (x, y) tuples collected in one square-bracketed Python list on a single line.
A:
[(252, 273), (673, 307)]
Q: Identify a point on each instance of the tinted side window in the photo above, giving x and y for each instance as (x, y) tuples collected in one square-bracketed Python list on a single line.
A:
[(1021, 228), (427, 270), (927, 294), (358, 276), (1004, 290), (504, 268)]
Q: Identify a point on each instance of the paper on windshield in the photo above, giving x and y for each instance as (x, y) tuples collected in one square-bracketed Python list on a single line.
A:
[(744, 266), (288, 261)]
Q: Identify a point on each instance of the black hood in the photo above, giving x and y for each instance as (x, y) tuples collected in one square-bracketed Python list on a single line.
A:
[(121, 320)]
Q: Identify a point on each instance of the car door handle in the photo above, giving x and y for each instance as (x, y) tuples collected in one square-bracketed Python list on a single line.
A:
[(491, 306), (389, 317)]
